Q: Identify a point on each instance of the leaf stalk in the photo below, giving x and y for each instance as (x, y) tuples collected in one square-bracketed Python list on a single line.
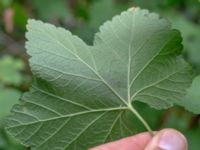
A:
[(134, 111)]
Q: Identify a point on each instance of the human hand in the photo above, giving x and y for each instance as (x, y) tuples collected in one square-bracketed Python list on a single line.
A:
[(167, 139)]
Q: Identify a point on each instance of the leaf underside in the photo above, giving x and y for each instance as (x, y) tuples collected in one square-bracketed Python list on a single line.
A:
[(81, 93)]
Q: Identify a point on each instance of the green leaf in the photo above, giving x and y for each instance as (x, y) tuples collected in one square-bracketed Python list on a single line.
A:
[(20, 17), (6, 3), (191, 38), (10, 70), (193, 138), (8, 97), (82, 94), (55, 9), (97, 16), (7, 143), (192, 99)]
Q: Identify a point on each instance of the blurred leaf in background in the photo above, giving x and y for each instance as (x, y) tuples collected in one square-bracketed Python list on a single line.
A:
[(191, 38), (51, 9), (98, 12), (20, 17), (6, 3), (192, 98), (103, 10), (185, 122), (8, 97), (10, 79), (10, 70)]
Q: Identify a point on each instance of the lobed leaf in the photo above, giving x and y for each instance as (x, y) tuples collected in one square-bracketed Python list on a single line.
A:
[(82, 94)]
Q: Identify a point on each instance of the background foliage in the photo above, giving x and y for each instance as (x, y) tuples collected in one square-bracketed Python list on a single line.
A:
[(83, 17)]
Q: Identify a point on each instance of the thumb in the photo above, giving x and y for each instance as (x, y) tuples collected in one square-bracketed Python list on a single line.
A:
[(167, 139)]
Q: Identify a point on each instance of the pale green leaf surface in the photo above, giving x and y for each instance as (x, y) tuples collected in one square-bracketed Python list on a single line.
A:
[(191, 101), (82, 93)]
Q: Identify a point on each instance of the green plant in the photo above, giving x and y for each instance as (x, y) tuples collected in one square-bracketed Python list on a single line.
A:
[(10, 78), (84, 95)]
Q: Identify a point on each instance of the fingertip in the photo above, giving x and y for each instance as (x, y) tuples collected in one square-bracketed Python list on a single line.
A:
[(168, 139)]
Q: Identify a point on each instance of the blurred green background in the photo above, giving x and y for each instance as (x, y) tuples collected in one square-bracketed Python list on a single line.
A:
[(83, 18)]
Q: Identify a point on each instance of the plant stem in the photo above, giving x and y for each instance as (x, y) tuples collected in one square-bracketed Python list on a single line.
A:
[(141, 119)]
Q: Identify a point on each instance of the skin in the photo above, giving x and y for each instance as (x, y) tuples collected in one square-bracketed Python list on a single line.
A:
[(145, 141)]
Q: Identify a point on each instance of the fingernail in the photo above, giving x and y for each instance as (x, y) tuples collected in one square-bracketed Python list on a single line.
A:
[(172, 140)]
